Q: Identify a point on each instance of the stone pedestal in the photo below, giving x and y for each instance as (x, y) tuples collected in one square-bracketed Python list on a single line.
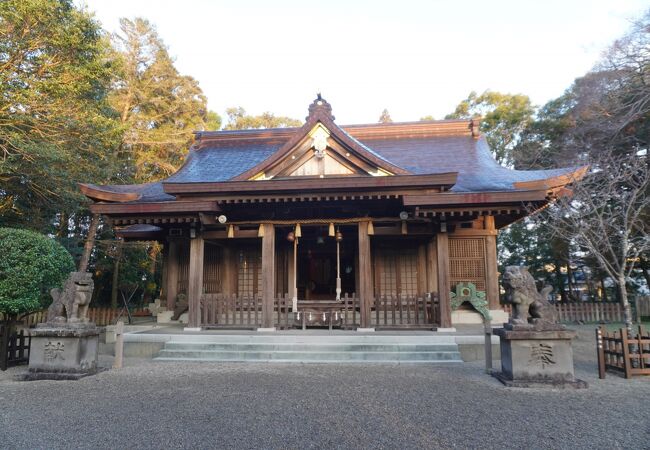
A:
[(534, 357), (63, 352)]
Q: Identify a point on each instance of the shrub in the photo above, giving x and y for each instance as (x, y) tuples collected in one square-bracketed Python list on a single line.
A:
[(30, 265)]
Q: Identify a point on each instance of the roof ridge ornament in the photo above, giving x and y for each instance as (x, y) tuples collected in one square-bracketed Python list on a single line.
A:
[(320, 105)]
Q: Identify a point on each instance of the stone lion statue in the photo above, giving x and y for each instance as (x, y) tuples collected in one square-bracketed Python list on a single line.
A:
[(71, 304), (522, 294)]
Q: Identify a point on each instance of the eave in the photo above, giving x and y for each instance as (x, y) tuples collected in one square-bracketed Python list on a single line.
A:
[(474, 198), (97, 193), (553, 182), (443, 180), (155, 207)]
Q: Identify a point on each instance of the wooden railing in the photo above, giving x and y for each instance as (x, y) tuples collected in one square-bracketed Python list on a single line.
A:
[(406, 311), (219, 310), (100, 316), (585, 312), (283, 314), (623, 354), (351, 311), (232, 311)]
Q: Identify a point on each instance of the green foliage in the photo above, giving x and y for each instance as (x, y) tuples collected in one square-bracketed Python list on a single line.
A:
[(158, 107), (504, 117), (56, 128), (427, 118), (239, 120), (30, 266), (213, 121)]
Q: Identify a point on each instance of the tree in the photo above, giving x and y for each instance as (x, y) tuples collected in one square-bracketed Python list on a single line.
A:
[(31, 265), (239, 120), (56, 127), (504, 117), (158, 108), (427, 118), (385, 117), (213, 121), (607, 217)]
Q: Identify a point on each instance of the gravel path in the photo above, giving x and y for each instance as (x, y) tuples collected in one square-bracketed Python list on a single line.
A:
[(206, 405)]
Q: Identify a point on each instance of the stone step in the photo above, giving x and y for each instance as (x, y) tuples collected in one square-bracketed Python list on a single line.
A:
[(342, 347), (272, 338), (308, 356)]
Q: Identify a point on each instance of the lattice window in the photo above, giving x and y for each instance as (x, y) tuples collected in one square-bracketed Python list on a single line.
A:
[(398, 273), (467, 261), (212, 269), (249, 271)]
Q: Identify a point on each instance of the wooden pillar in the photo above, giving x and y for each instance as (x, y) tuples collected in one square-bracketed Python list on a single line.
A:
[(442, 250), (290, 269), (195, 282), (171, 282), (422, 269), (432, 266), (165, 266), (491, 264), (365, 275), (229, 285), (268, 274)]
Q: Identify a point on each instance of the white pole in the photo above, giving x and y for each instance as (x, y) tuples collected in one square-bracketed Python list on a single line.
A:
[(294, 300), (338, 271)]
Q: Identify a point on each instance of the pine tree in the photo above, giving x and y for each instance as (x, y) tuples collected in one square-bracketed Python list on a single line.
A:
[(56, 128), (158, 107)]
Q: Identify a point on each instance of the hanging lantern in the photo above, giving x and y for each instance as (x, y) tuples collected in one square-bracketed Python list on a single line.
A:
[(291, 236), (231, 231), (371, 228), (260, 231), (339, 236), (331, 230), (298, 231)]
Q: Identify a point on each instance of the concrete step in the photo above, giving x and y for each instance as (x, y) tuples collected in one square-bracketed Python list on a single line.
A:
[(349, 349), (306, 356), (340, 347), (273, 338)]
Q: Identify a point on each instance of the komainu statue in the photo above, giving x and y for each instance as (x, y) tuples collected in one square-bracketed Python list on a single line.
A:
[(71, 304), (529, 306)]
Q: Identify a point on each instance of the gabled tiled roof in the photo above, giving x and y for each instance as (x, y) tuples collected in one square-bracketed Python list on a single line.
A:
[(223, 160), (470, 157), (421, 148)]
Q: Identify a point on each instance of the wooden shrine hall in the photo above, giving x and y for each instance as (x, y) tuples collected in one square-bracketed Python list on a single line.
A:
[(389, 225)]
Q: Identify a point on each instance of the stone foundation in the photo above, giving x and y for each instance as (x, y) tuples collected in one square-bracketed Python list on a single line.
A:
[(537, 357), (63, 352)]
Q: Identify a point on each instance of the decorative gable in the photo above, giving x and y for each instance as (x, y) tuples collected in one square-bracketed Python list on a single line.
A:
[(321, 149)]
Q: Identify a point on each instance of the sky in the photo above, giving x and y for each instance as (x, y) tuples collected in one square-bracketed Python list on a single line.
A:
[(414, 58)]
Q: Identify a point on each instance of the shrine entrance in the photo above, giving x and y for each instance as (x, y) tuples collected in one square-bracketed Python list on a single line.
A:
[(317, 263)]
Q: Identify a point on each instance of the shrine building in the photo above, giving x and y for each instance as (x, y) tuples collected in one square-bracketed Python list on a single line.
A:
[(383, 225)]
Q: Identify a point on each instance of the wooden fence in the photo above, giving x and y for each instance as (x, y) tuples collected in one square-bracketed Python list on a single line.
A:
[(623, 354), (14, 347), (101, 316), (405, 311), (643, 307), (595, 312), (232, 311)]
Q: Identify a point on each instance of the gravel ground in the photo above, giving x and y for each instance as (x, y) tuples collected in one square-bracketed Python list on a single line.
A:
[(206, 405)]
